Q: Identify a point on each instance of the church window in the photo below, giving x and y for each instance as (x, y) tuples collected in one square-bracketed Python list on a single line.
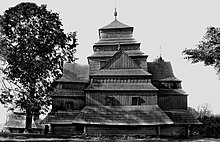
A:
[(69, 106), (102, 63), (136, 101), (110, 101), (176, 85)]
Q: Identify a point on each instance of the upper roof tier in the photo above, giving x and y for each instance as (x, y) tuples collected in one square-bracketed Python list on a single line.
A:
[(162, 71), (116, 25), (115, 32)]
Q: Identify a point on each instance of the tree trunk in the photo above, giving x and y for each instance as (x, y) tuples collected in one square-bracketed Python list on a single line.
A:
[(28, 124), (29, 114)]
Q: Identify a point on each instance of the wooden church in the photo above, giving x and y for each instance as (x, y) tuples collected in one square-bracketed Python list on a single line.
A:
[(119, 92)]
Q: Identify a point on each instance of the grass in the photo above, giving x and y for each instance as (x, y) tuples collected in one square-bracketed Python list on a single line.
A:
[(40, 138)]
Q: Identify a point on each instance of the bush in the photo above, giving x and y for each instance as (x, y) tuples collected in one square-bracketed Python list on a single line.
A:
[(209, 128)]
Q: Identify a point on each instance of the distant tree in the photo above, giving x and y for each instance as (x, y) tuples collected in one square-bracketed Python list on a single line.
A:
[(204, 110), (208, 50), (33, 47)]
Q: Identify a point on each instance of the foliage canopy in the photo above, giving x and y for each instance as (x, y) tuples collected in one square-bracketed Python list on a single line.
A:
[(33, 48), (208, 50)]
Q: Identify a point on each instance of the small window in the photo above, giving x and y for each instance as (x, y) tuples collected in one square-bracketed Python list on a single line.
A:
[(137, 61), (176, 85), (109, 101), (137, 101), (102, 63), (59, 86), (69, 106)]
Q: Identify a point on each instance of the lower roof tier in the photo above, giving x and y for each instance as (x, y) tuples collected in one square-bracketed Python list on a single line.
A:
[(122, 72), (62, 117), (121, 87), (123, 115), (181, 117)]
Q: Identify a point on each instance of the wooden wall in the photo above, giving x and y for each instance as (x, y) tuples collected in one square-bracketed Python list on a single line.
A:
[(66, 129), (115, 34), (114, 47), (95, 63), (62, 130), (141, 61), (121, 61), (68, 96), (67, 104), (167, 102), (173, 130), (99, 130), (94, 66), (124, 98), (120, 130)]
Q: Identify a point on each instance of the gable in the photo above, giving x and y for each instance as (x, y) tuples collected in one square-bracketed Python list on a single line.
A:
[(121, 61)]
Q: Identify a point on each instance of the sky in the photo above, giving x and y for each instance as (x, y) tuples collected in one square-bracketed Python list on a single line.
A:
[(172, 25)]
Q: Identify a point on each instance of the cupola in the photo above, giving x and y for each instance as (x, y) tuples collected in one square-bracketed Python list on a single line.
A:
[(116, 32)]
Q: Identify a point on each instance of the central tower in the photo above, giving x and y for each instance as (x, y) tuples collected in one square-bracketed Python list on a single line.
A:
[(113, 36), (120, 98)]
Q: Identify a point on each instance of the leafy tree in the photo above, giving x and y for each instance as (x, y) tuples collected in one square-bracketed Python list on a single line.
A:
[(34, 47), (208, 50), (204, 110)]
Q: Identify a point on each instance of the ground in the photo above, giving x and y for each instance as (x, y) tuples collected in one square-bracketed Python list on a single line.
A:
[(23, 139)]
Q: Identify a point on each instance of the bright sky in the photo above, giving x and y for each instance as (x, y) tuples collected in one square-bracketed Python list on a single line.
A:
[(172, 24)]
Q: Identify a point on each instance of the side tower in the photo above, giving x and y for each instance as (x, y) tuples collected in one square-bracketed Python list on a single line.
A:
[(171, 98), (68, 99)]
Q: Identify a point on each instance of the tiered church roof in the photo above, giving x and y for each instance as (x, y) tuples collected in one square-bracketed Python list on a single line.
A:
[(122, 88)]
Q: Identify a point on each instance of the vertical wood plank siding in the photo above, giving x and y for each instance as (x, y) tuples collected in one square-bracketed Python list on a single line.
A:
[(62, 130), (124, 98), (166, 102), (121, 130), (143, 64), (94, 66), (173, 130), (62, 103), (121, 62)]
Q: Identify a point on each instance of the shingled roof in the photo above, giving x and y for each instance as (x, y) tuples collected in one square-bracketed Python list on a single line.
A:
[(161, 71), (122, 72), (121, 87), (123, 115), (181, 117), (60, 118), (121, 65), (115, 25), (73, 72)]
